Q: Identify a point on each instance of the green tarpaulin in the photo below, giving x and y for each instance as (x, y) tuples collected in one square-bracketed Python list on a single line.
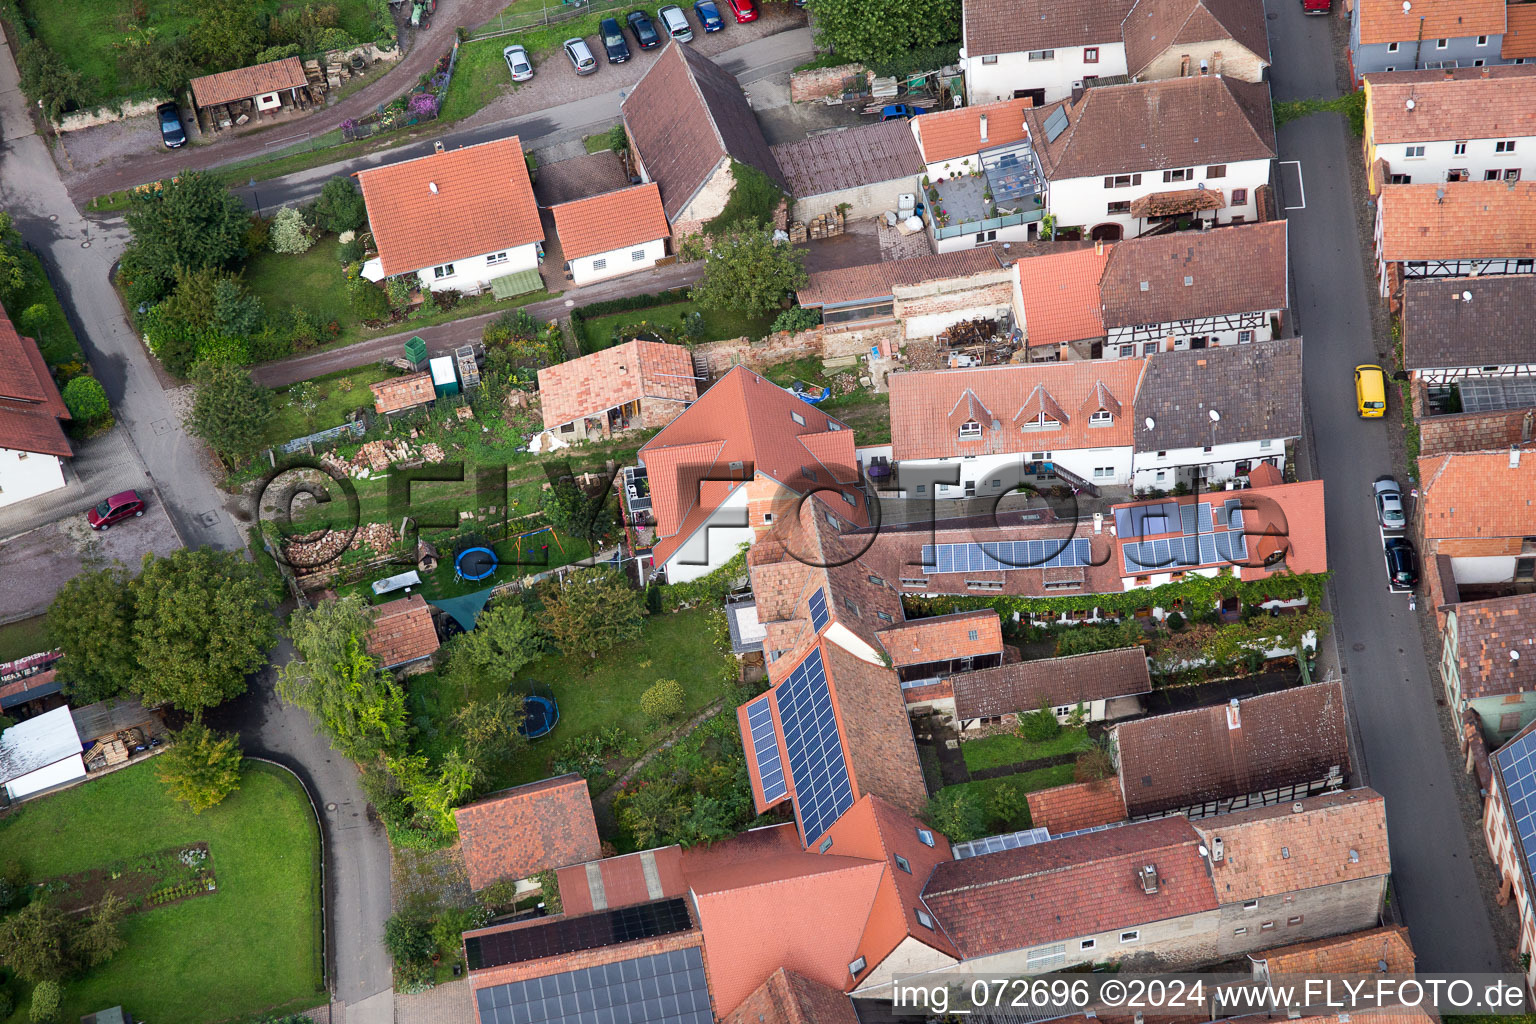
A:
[(520, 283), (464, 609)]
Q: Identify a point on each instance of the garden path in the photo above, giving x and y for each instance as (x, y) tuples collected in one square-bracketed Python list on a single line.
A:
[(602, 807)]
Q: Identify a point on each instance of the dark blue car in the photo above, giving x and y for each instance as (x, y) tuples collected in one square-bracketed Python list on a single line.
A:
[(614, 45), (709, 15), (171, 131)]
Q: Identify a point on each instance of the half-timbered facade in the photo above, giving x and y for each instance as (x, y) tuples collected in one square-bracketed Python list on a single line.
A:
[(1454, 229)]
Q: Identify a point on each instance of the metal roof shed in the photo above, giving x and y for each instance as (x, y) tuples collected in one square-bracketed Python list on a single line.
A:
[(40, 753)]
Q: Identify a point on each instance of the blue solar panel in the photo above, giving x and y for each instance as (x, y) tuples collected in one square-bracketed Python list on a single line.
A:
[(818, 604), (1001, 556), (1517, 762), (765, 749), (1188, 514), (816, 761)]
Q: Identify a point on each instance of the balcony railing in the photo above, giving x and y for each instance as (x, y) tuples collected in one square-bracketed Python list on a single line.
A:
[(972, 227)]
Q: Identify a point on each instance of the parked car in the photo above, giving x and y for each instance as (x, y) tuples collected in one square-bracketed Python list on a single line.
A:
[(1389, 504), (708, 15), (675, 23), (1402, 563), (900, 111), (1370, 391), (171, 132), (1316, 6), (614, 46), (581, 56), (115, 509), (745, 10), (645, 31), (518, 63)]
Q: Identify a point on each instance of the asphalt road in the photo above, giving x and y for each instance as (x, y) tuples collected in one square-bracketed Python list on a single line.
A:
[(1391, 690)]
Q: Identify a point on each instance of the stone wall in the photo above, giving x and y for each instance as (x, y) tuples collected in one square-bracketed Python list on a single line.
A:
[(819, 83), (781, 347), (106, 115)]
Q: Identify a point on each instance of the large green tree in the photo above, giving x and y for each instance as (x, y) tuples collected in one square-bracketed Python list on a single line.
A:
[(35, 942), (573, 511), (207, 312), (593, 610), (505, 638), (229, 411), (189, 223), (359, 706), (340, 206), (202, 624), (91, 621), (201, 768), (877, 30), (748, 272), (14, 274)]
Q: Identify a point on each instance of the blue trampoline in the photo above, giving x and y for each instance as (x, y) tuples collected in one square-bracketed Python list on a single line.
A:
[(540, 714), (474, 563)]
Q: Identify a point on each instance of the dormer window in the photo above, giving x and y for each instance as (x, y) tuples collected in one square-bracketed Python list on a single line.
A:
[(857, 966), (970, 430), (1041, 421), (1101, 418)]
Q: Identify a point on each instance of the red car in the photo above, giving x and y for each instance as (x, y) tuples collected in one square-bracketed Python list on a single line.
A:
[(745, 10), (115, 509)]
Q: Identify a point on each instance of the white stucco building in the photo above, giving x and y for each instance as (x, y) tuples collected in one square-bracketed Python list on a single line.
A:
[(1039, 50), (611, 234)]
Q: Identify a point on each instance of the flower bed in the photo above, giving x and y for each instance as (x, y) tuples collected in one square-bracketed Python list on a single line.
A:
[(150, 880)]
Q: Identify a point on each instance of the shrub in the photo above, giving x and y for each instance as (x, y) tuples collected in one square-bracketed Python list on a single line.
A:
[(957, 813), (46, 1000), (258, 233), (663, 701), (399, 292), (797, 319), (1039, 726), (1093, 764), (500, 893), (1008, 806), (350, 251), (7, 1003), (369, 301), (272, 53), (408, 940), (1088, 637), (290, 235), (86, 399), (340, 206), (1175, 621)]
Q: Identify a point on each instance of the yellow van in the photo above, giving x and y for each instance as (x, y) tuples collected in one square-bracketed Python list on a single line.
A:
[(1370, 391)]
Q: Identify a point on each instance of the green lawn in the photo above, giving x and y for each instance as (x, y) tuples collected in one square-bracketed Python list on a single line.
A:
[(597, 333), (19, 639), (597, 143), (869, 414), (1006, 748), (480, 76), (51, 330), (253, 945), (596, 693), (987, 792), (335, 402)]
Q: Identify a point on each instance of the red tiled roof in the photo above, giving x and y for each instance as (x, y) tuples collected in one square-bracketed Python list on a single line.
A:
[(1458, 220), (1520, 34), (613, 377), (922, 403), (1357, 953), (958, 635), (1061, 296), (1386, 21), (880, 280), (1454, 104), (1290, 519), (1076, 805), (1023, 685), (402, 632), (1163, 278), (622, 881), (527, 829), (1495, 645), (451, 205), (1477, 494), (1081, 885), (1016, 26), (791, 998), (30, 404), (1155, 25), (952, 134), (1213, 753), (245, 83), (614, 220), (399, 393)]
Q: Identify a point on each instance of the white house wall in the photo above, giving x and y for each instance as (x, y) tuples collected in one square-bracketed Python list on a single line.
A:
[(997, 474), (909, 957), (1489, 569), (1085, 201), (968, 240), (1220, 463), (1443, 374), (715, 543), (1218, 332), (1440, 158), (474, 273), (25, 475), (71, 769), (988, 83), (617, 262)]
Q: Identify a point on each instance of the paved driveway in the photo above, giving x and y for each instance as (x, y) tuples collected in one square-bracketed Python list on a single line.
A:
[(1390, 687), (101, 466)]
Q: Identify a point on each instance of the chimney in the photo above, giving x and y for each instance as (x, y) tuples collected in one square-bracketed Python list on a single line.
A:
[(1098, 247), (438, 146), (1485, 71), (983, 127), (1147, 876), (1218, 850), (1234, 716)]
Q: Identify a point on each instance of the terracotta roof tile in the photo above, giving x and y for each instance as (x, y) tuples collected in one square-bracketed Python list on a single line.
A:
[(1385, 21), (1440, 330), (1489, 636), (527, 829), (24, 375), (921, 402), (1334, 838), (482, 203), (1466, 103), (952, 134), (1214, 753), (685, 116), (1477, 494), (1076, 805), (872, 717), (613, 377), (1145, 126), (1520, 33), (1024, 685), (1080, 885), (957, 635), (402, 632), (1155, 25), (791, 998), (1254, 388), (27, 429), (399, 393), (1288, 519), (244, 83), (1357, 953), (1061, 296), (1011, 26), (1458, 220), (613, 220), (880, 280), (863, 155), (1164, 262), (622, 881)]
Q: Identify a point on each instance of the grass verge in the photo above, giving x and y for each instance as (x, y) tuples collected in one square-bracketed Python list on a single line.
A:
[(597, 333), (1006, 748), (24, 637), (1351, 105), (50, 327)]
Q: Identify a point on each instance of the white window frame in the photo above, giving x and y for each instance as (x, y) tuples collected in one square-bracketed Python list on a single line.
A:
[(797, 418), (496, 259), (1505, 146), (1482, 40), (1391, 47), (1041, 55), (1101, 418), (1087, 944), (970, 430), (442, 272), (1131, 937), (1413, 152), (1441, 44), (990, 58), (1459, 149)]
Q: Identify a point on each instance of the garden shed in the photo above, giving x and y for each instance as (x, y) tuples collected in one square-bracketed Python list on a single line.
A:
[(233, 97), (40, 754)]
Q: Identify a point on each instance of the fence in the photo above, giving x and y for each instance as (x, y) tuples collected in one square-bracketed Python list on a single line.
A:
[(990, 224), (551, 14), (357, 429)]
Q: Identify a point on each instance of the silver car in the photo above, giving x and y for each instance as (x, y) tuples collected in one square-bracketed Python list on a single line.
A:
[(1389, 504), (518, 63), (675, 22), (581, 56)]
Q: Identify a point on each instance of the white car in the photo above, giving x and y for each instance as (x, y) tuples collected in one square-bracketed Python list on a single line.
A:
[(518, 63), (675, 22), (580, 56), (1389, 504)]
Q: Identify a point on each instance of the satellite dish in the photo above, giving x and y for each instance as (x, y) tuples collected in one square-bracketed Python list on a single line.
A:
[(1466, 296), (1410, 104), (1150, 422), (1514, 655), (1203, 851), (1407, 6), (1215, 416)]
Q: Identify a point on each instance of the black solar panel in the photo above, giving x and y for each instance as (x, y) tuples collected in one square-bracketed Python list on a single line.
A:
[(818, 607), (567, 935), (668, 987), (1055, 124)]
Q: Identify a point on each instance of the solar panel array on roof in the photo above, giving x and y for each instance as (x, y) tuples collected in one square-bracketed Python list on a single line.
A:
[(994, 844), (765, 749), (1185, 552), (567, 935), (1008, 554), (1150, 520), (1055, 124), (817, 763), (665, 987), (818, 606), (1517, 770)]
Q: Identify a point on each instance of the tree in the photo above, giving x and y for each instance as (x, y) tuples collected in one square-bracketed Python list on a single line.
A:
[(305, 395), (1039, 725), (236, 312), (290, 234), (91, 621), (202, 623), (592, 611), (361, 708), (225, 34), (750, 273), (230, 412), (35, 942), (201, 768), (100, 937), (663, 701), (505, 638), (14, 274), (47, 80), (958, 814), (340, 207), (875, 30), (46, 998), (489, 729), (573, 511), (191, 223), (206, 312), (86, 399)]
